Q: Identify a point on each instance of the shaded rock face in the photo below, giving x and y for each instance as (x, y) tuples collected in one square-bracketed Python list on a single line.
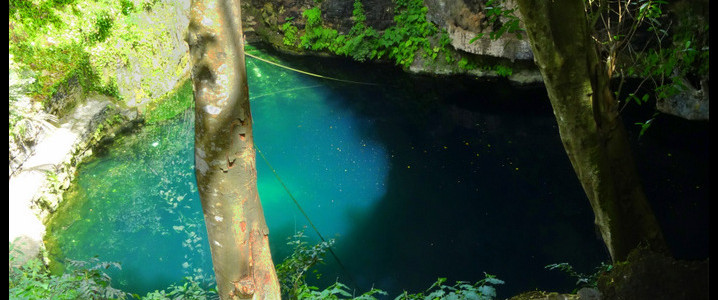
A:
[(273, 13), (67, 96), (690, 104), (35, 189), (465, 19), (508, 46), (163, 63), (336, 14), (379, 13), (339, 13)]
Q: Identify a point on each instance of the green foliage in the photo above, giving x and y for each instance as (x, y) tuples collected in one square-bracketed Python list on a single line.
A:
[(127, 7), (503, 71), (90, 42), (410, 34), (398, 43), (317, 37), (190, 289), (147, 5), (26, 119), (86, 280), (495, 11), (109, 89), (56, 62), (668, 56), (582, 280), (82, 280), (645, 125), (292, 271), (444, 42), (34, 17), (637, 100), (103, 25), (334, 292), (466, 65), (360, 43), (67, 61), (290, 32), (171, 105), (481, 290)]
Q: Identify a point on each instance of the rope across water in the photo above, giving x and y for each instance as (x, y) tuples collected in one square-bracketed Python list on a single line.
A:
[(308, 73), (275, 171), (305, 214)]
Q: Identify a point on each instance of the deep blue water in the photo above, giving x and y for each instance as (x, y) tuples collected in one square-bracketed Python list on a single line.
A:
[(416, 178)]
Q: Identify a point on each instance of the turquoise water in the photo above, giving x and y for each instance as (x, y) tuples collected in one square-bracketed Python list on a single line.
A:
[(416, 178), (137, 202)]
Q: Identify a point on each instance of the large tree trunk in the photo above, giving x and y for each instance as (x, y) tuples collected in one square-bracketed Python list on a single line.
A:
[(590, 127), (224, 154)]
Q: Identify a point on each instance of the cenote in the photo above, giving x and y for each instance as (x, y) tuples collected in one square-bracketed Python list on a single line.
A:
[(415, 177)]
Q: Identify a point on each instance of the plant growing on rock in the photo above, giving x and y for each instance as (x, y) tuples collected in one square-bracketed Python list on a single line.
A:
[(317, 37), (290, 32)]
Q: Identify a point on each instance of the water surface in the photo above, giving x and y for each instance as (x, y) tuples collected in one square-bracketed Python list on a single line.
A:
[(416, 178)]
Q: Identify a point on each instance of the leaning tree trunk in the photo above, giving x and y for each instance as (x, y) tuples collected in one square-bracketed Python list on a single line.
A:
[(224, 154), (591, 130)]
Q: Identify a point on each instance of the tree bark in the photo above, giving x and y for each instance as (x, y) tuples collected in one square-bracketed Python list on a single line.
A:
[(225, 155), (591, 130)]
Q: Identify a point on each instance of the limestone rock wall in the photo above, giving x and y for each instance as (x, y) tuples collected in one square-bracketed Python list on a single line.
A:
[(160, 63), (35, 188), (465, 19)]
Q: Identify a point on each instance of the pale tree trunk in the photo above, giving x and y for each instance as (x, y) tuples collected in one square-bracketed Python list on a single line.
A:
[(224, 154), (591, 129)]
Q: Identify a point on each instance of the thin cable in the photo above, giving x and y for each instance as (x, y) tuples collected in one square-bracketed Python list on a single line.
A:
[(307, 73), (305, 215), (284, 91)]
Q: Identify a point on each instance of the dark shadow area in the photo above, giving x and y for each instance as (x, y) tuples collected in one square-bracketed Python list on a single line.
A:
[(479, 182)]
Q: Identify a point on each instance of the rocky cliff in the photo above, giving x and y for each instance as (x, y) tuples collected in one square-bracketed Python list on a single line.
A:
[(461, 20)]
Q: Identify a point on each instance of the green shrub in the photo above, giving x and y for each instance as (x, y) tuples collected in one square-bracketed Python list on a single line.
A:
[(189, 289), (401, 42), (33, 16), (398, 43), (127, 7), (293, 270), (482, 290), (361, 42), (103, 25), (502, 21), (503, 71), (290, 32), (81, 280), (317, 37)]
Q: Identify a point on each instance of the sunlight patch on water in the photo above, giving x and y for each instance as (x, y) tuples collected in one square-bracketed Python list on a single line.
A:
[(316, 149), (137, 204)]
